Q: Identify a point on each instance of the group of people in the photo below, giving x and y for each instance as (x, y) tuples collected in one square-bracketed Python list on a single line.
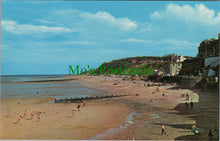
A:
[(78, 107), (164, 95), (187, 105), (24, 116)]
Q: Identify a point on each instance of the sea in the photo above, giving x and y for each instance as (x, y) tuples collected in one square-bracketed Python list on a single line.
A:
[(56, 86)]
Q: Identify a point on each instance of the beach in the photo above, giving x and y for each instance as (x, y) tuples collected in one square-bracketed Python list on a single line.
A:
[(57, 120), (137, 116)]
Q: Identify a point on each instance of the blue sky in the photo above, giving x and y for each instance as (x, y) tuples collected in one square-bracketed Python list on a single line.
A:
[(39, 37)]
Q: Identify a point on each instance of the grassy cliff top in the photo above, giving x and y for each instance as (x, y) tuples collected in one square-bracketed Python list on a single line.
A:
[(133, 62)]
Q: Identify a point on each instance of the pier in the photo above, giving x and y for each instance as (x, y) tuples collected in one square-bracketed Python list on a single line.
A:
[(81, 99)]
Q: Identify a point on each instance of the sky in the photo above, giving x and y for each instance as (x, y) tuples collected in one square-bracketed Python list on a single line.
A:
[(45, 37)]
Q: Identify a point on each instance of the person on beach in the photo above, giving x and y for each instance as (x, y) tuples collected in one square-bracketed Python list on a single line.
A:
[(188, 93), (158, 89), (78, 107), (163, 96), (186, 105), (38, 118), (32, 114), (193, 128), (73, 113), (217, 132), (25, 114), (163, 130), (9, 113), (84, 103), (19, 119), (210, 134), (191, 104)]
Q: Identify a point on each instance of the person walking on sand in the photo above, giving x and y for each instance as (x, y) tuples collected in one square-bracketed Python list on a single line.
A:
[(193, 128), (210, 135), (32, 114), (163, 96), (188, 97), (9, 113), (84, 103), (191, 104), (25, 114), (186, 105), (217, 132), (78, 107), (158, 89), (38, 118), (163, 130), (73, 113), (187, 93), (19, 119)]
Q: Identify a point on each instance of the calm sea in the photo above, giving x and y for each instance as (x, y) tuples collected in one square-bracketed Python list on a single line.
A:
[(21, 86)]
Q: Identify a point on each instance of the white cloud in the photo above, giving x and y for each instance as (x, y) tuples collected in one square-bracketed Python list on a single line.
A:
[(155, 15), (165, 42), (14, 27), (177, 43), (46, 22), (106, 18), (134, 40), (3, 46), (198, 14)]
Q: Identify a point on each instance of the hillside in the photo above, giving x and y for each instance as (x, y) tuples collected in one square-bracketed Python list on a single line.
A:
[(133, 62)]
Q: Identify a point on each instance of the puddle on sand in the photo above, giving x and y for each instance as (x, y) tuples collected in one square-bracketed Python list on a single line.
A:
[(147, 121), (155, 115), (112, 131)]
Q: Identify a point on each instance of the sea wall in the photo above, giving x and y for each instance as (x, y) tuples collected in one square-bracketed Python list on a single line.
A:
[(183, 81), (189, 82)]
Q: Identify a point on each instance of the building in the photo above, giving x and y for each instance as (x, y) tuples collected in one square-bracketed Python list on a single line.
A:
[(134, 61), (180, 59), (173, 58), (143, 62), (173, 68), (158, 72), (192, 66), (209, 48)]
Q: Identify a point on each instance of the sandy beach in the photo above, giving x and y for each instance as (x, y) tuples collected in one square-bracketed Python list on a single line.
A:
[(57, 121), (138, 116)]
